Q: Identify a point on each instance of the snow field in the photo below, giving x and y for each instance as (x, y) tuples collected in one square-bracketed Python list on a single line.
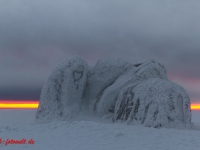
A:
[(84, 133)]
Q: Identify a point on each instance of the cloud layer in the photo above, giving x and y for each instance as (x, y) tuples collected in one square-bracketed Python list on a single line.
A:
[(36, 35)]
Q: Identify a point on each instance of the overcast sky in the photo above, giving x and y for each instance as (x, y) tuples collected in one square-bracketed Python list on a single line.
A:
[(35, 35)]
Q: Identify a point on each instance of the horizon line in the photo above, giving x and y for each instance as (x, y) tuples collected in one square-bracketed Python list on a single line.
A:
[(34, 104)]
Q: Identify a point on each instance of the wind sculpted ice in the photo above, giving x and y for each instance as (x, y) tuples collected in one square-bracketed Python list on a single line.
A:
[(117, 90), (61, 95)]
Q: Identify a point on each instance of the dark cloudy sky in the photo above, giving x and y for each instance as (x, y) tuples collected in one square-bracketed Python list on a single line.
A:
[(35, 35)]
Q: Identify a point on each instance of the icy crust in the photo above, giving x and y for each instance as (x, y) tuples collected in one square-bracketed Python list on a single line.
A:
[(61, 95), (154, 103), (150, 69), (102, 75), (116, 90)]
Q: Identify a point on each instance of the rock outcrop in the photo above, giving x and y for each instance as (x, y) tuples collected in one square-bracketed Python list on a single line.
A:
[(102, 75), (150, 69), (154, 103), (61, 95), (116, 89)]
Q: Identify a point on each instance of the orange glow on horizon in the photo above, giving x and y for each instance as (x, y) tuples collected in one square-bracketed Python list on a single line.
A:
[(11, 104), (195, 106), (19, 104)]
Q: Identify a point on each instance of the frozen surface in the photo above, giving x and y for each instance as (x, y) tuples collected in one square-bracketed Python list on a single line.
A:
[(102, 75), (116, 90), (61, 96), (92, 134), (146, 70), (154, 103)]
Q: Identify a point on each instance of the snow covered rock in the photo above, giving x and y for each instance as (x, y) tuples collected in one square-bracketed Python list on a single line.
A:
[(113, 88), (150, 69), (154, 103), (61, 95), (102, 75)]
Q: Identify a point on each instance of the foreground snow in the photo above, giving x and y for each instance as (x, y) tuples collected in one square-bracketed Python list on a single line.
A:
[(87, 132)]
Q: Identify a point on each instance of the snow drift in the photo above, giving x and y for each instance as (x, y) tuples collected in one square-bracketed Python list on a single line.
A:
[(135, 94)]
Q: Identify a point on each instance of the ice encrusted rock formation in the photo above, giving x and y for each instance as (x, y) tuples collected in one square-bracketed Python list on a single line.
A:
[(118, 90), (102, 75), (150, 69), (61, 95), (154, 103)]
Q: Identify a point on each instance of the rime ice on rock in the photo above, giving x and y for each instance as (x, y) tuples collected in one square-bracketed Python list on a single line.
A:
[(102, 75), (154, 103), (150, 69), (61, 95), (135, 94)]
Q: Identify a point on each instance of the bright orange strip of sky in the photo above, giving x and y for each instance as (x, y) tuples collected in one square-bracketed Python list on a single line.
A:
[(19, 104), (34, 105), (195, 106)]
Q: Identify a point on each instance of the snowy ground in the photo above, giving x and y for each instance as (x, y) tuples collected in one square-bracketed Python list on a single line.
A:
[(91, 134)]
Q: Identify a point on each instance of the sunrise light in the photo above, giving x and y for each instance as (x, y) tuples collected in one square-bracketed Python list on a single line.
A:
[(19, 104), (5, 104), (195, 106)]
